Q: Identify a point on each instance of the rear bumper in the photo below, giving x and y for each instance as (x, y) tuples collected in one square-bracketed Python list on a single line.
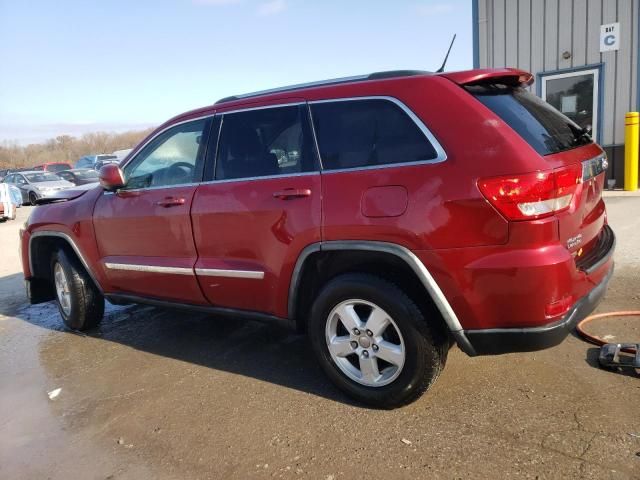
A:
[(505, 340)]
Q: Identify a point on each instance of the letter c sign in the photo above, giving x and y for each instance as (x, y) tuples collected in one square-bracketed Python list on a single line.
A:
[(609, 37)]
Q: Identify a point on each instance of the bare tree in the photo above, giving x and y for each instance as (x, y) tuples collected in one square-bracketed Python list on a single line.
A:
[(65, 148)]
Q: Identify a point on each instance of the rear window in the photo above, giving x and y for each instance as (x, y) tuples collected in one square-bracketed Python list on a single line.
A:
[(367, 133), (58, 167), (538, 123)]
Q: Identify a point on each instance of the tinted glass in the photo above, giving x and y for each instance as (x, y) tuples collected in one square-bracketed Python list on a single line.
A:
[(173, 158), (538, 123), (270, 141), (58, 167), (106, 157), (359, 133)]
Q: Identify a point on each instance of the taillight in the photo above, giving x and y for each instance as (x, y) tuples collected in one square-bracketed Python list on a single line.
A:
[(532, 195)]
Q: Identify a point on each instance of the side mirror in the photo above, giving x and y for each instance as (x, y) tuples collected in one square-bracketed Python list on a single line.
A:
[(111, 177)]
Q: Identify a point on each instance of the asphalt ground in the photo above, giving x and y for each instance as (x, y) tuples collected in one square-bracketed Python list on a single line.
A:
[(158, 394)]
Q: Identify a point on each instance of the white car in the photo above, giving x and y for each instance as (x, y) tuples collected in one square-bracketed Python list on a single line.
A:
[(10, 200)]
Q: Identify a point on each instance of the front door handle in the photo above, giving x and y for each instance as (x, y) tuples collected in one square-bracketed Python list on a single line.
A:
[(170, 202), (289, 193)]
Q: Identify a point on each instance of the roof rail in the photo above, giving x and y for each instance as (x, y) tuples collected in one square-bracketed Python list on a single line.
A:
[(332, 81)]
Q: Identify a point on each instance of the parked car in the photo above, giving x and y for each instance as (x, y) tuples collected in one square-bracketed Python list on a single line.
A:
[(52, 167), (16, 195), (34, 184), (7, 203), (413, 211), (122, 154), (79, 176), (3, 174), (89, 161)]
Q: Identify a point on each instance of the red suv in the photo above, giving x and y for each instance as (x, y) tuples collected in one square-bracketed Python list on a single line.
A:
[(388, 216)]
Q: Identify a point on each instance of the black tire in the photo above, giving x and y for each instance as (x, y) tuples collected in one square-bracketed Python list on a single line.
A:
[(32, 199), (425, 349), (86, 301)]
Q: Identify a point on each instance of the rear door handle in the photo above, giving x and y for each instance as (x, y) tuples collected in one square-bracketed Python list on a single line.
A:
[(289, 193), (170, 202)]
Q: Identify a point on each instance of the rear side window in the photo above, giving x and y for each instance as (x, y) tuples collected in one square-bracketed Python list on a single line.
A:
[(538, 123), (264, 142), (368, 132)]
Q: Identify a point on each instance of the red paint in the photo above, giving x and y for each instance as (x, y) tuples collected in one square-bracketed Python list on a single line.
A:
[(493, 271), (111, 177), (385, 201)]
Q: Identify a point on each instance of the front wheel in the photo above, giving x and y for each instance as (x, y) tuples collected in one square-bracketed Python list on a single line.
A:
[(374, 342), (80, 303), (32, 198)]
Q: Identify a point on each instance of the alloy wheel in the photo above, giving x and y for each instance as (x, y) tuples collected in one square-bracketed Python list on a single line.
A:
[(62, 289), (365, 343)]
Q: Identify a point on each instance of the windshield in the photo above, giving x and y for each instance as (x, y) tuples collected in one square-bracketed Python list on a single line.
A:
[(106, 157), (86, 175), (538, 123), (42, 177)]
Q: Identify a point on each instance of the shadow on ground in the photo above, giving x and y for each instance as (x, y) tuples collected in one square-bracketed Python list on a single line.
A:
[(266, 352)]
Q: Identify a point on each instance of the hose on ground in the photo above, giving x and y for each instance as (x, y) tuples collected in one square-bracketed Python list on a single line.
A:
[(597, 340)]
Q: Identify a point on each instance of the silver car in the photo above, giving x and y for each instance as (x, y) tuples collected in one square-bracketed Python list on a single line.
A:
[(35, 185)]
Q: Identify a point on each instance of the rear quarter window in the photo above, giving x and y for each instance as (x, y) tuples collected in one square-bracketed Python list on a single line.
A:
[(367, 133), (538, 123)]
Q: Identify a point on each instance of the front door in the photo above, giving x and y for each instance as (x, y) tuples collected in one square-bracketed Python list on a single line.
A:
[(144, 230), (575, 94), (260, 210)]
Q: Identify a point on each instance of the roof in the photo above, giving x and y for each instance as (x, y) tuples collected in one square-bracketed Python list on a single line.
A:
[(333, 81)]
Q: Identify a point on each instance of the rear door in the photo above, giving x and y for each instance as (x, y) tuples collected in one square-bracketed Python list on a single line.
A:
[(260, 209), (143, 231)]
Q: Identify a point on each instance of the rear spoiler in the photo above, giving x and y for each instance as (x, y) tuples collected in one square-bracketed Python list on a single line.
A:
[(508, 76)]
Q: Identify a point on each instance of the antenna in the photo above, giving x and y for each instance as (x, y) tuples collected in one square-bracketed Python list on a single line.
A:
[(446, 57)]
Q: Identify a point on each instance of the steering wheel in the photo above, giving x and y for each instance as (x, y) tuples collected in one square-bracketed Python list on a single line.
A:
[(180, 172)]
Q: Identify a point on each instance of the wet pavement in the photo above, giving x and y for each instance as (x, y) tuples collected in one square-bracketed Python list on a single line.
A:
[(158, 394)]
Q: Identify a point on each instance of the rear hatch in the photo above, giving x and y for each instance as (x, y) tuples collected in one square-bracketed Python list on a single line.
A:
[(571, 187)]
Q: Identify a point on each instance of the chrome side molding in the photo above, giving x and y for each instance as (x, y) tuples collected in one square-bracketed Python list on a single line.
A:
[(215, 272), (149, 268)]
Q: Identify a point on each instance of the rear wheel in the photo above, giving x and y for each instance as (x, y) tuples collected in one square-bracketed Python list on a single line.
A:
[(373, 341), (80, 303)]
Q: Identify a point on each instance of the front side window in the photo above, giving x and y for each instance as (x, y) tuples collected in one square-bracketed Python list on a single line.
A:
[(173, 158), (370, 132), (264, 142)]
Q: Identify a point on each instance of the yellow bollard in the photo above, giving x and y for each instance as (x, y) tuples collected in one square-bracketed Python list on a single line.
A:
[(631, 130)]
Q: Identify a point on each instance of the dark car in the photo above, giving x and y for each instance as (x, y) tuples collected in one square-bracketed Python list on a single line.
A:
[(90, 161), (388, 216), (79, 176)]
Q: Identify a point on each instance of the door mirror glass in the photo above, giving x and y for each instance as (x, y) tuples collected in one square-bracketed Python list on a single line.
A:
[(111, 177)]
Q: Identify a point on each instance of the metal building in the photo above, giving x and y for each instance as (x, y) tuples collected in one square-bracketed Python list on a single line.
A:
[(584, 54)]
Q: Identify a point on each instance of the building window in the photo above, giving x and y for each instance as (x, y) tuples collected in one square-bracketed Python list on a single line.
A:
[(575, 94)]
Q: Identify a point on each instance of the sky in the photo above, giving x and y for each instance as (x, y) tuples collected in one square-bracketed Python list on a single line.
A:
[(73, 66)]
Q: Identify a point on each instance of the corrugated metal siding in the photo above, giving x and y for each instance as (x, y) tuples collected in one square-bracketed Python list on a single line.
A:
[(533, 34)]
